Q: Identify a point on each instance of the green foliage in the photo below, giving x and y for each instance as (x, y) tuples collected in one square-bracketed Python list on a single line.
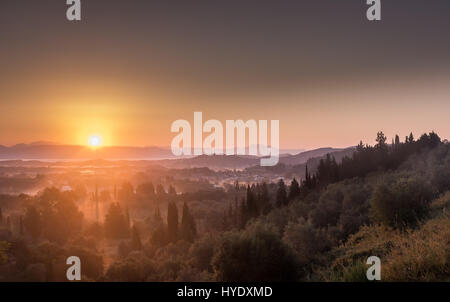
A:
[(257, 254), (135, 268), (400, 202), (202, 251), (418, 255), (306, 241), (356, 272), (422, 255)]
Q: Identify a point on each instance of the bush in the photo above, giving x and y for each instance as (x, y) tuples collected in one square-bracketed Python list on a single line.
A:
[(422, 255), (256, 254), (135, 268), (306, 241), (400, 202)]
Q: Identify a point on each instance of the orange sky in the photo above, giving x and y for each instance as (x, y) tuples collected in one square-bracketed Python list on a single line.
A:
[(127, 72)]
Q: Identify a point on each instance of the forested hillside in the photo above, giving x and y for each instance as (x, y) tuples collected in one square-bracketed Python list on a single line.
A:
[(388, 200)]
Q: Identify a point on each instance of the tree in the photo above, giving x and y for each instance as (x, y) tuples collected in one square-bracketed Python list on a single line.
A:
[(400, 202), (60, 217), (172, 222), (397, 140), (264, 199), (126, 193), (306, 241), (157, 218), (146, 190), (32, 222), (158, 236), (381, 140), (172, 190), (281, 194), (256, 254), (136, 244), (242, 214), (160, 190), (115, 223), (1, 216), (251, 207), (294, 190), (188, 228)]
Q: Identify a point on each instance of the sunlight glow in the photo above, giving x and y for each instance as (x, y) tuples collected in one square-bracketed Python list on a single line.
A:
[(95, 141)]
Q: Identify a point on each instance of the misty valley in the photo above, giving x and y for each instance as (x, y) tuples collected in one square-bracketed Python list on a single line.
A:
[(315, 216)]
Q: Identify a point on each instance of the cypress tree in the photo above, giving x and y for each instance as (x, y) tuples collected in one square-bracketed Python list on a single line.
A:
[(116, 223), (136, 244), (252, 210), (294, 190), (188, 227), (172, 222), (281, 194)]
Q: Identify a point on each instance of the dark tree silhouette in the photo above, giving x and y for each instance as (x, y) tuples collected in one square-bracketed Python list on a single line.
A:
[(281, 194), (172, 222), (136, 244), (115, 223), (188, 227), (294, 190)]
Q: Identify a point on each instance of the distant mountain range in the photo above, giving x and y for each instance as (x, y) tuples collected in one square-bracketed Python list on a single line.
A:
[(239, 162), (47, 151), (42, 151)]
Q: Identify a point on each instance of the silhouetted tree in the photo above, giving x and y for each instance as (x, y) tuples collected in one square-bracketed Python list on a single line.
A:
[(172, 222), (294, 190), (160, 192), (136, 244), (251, 207), (115, 223), (146, 190), (32, 222), (126, 193), (281, 194), (264, 199), (172, 191), (188, 227)]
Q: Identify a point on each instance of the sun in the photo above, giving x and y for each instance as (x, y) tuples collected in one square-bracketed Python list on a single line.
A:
[(95, 141)]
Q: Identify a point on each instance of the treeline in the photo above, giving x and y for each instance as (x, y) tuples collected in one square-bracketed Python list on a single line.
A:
[(366, 159), (320, 228), (389, 185)]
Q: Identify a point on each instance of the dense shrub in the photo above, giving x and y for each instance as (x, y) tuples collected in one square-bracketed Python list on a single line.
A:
[(400, 202), (422, 255), (306, 241), (257, 254)]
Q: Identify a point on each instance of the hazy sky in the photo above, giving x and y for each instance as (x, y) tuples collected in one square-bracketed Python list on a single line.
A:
[(128, 69)]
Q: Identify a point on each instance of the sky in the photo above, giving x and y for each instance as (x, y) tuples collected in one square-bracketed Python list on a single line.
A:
[(128, 69)]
